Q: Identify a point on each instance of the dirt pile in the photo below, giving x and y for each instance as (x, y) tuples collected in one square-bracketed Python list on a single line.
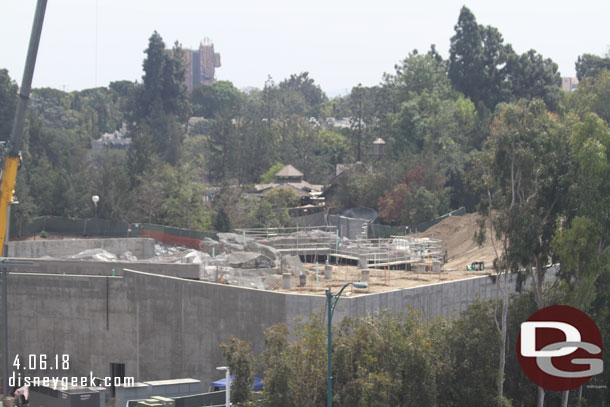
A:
[(457, 234)]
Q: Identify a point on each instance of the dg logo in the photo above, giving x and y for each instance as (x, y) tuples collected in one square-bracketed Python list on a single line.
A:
[(560, 348)]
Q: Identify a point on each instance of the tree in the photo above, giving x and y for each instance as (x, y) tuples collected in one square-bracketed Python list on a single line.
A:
[(162, 105), (279, 377), (241, 364), (523, 168), (305, 87), (593, 95), (219, 98), (531, 76), (222, 222), (184, 206), (589, 66), (473, 378), (269, 176), (476, 59), (360, 117), (8, 103)]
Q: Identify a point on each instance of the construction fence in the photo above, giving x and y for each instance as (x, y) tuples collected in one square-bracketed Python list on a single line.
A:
[(90, 227)]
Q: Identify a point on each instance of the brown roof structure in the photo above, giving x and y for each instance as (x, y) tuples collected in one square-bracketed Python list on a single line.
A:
[(288, 172), (290, 178)]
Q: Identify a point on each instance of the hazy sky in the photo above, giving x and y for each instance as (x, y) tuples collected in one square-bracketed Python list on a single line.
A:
[(339, 42)]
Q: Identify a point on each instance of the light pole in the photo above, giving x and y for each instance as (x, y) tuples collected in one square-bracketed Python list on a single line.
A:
[(331, 303), (227, 385)]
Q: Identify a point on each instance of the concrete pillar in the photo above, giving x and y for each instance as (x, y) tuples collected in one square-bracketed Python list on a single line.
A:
[(363, 261), (286, 281), (436, 266), (364, 274), (328, 272)]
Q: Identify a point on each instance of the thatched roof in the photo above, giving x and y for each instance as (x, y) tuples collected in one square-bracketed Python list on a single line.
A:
[(289, 172)]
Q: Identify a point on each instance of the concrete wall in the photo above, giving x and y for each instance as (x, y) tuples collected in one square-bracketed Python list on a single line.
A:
[(97, 268), (163, 327), (140, 247)]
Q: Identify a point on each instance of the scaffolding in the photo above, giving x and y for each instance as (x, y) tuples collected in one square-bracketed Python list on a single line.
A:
[(324, 241)]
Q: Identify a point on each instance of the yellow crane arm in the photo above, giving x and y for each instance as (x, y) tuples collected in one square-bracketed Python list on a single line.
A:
[(7, 189), (13, 156)]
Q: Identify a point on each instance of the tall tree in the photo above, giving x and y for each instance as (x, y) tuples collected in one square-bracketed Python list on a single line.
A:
[(306, 87), (531, 76), (360, 117), (589, 65), (8, 102), (162, 105), (524, 167)]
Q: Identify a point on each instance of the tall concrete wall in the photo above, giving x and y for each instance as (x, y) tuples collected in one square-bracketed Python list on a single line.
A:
[(101, 268), (163, 327), (142, 248)]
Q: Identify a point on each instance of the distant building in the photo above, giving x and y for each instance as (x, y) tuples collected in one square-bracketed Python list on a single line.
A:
[(569, 84), (378, 147), (201, 65), (291, 178), (117, 140)]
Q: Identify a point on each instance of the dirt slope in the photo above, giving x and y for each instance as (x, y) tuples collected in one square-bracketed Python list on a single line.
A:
[(457, 234)]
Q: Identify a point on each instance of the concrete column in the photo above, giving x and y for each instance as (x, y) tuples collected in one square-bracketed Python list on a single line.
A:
[(364, 274), (286, 281), (328, 272)]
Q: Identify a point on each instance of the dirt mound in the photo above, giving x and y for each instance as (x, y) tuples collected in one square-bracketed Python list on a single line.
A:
[(457, 234)]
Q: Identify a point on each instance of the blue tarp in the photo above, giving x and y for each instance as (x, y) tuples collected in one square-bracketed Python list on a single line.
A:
[(221, 384)]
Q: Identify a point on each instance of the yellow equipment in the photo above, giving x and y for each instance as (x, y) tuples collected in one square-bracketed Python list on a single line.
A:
[(13, 155)]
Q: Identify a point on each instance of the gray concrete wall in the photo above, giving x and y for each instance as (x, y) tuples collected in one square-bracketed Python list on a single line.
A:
[(97, 268), (142, 248), (163, 327)]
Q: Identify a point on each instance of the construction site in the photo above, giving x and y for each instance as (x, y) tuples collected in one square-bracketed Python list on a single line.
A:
[(166, 309), (305, 260)]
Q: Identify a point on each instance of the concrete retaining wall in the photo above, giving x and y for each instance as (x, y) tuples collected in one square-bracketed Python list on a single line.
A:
[(142, 248), (97, 268), (164, 327)]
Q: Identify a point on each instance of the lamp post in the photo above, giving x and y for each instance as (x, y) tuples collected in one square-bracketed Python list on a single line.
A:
[(331, 303), (227, 385)]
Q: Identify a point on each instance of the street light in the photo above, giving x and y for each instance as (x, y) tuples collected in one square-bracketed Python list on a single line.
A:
[(331, 303), (227, 385)]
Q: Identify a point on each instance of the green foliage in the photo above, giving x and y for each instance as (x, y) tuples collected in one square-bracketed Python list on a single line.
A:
[(474, 343), (477, 56), (525, 166), (44, 234), (183, 206), (418, 198), (397, 360), (532, 76), (269, 176), (222, 222), (220, 98), (271, 210), (161, 108), (593, 95), (577, 250), (489, 72), (302, 94), (240, 361), (8, 103), (277, 359), (589, 66)]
